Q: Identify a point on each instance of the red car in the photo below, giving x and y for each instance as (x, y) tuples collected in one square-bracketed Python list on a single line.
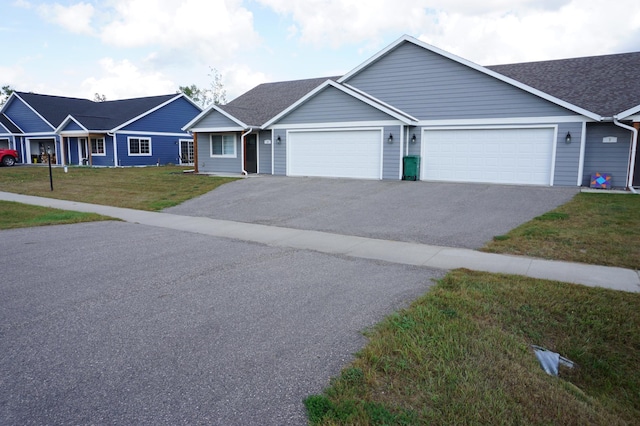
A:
[(8, 157)]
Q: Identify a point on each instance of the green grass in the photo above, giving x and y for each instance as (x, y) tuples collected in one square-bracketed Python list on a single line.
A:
[(602, 229), (143, 188), (17, 215), (461, 355)]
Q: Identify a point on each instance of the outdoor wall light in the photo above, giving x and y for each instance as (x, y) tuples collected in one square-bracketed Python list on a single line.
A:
[(413, 138), (390, 140), (278, 140), (567, 138)]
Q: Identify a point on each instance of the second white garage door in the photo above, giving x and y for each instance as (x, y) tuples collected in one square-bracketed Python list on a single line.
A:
[(511, 156), (343, 153)]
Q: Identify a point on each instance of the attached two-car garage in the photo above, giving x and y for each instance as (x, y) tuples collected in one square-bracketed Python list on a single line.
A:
[(335, 153), (504, 155), (507, 155)]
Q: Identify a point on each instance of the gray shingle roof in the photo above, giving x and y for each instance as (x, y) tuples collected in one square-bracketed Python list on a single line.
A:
[(605, 85), (93, 115), (265, 101), (9, 125)]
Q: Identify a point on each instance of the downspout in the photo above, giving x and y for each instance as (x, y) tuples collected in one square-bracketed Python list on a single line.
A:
[(242, 141), (634, 145)]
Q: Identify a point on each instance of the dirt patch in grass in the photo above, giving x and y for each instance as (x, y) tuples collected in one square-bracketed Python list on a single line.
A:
[(602, 229), (143, 188), (462, 354)]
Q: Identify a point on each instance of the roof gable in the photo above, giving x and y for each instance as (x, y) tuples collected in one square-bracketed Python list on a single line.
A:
[(24, 116), (267, 100), (71, 124), (124, 111), (167, 116), (54, 109), (407, 78), (214, 117), (346, 94)]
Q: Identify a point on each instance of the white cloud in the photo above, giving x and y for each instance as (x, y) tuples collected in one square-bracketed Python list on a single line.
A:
[(576, 29), (338, 22), (490, 31), (239, 78), (11, 75), (22, 3), (122, 79), (214, 30), (75, 18)]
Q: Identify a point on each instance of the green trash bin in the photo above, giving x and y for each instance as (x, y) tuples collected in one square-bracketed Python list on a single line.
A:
[(411, 167)]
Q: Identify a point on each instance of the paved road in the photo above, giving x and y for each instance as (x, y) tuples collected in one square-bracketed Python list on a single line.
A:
[(118, 323), (441, 214)]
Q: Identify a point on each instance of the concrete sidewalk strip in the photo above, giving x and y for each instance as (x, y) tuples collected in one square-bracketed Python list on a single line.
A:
[(361, 247), (451, 258), (395, 251), (590, 275), (324, 242)]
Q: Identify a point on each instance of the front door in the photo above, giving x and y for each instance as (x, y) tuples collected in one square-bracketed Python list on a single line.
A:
[(83, 151), (186, 152), (251, 154)]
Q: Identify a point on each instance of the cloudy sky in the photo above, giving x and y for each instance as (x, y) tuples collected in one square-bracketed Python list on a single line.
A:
[(130, 48)]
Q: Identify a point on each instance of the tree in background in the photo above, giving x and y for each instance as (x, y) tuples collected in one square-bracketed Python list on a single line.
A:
[(215, 94), (5, 92), (195, 93), (218, 93), (99, 98)]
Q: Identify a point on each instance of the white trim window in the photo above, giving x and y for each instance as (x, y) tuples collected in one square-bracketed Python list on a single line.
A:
[(223, 145), (97, 147), (139, 146)]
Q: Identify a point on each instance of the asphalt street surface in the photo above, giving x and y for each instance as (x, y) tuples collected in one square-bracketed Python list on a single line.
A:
[(442, 214), (118, 323)]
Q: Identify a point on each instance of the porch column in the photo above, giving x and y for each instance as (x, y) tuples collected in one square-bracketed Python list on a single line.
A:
[(63, 151), (635, 179), (195, 151), (89, 150)]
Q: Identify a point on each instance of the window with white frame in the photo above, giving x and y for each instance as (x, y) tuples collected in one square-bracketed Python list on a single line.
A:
[(139, 146), (97, 146), (223, 145)]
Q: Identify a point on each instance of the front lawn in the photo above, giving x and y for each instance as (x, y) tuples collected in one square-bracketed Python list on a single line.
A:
[(602, 229), (142, 188), (461, 354), (17, 215)]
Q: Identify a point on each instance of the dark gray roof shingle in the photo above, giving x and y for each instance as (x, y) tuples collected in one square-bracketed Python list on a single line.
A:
[(92, 115), (12, 128), (605, 85), (265, 101)]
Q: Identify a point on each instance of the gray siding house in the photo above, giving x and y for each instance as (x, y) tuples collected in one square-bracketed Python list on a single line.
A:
[(540, 123)]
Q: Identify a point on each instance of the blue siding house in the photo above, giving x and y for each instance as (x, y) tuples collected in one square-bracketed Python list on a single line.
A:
[(129, 132), (542, 123)]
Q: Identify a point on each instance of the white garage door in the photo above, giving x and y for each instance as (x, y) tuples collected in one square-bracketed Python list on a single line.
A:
[(520, 156), (344, 153)]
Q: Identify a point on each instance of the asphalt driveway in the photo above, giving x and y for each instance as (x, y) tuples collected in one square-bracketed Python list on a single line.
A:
[(118, 323), (444, 214)]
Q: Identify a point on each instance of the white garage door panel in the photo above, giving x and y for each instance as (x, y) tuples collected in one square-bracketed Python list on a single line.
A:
[(521, 156), (347, 153)]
